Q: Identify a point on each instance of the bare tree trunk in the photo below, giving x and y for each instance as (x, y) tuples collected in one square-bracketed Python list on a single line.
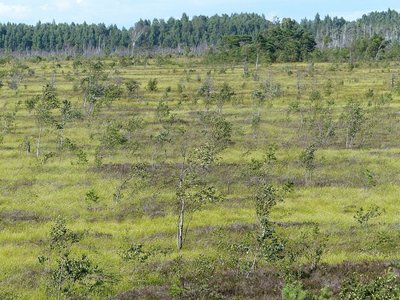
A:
[(84, 105), (91, 108), (349, 142), (181, 225), (379, 49), (253, 266), (258, 57), (62, 138), (38, 142)]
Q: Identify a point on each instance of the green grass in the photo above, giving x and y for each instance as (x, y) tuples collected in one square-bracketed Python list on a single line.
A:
[(33, 194)]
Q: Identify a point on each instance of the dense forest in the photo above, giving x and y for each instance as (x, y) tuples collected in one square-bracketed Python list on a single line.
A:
[(51, 37), (184, 32), (337, 32), (202, 32)]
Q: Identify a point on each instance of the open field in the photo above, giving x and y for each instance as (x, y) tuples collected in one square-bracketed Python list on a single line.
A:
[(115, 175)]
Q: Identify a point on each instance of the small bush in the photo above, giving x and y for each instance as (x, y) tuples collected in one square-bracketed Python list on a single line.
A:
[(152, 85), (358, 288)]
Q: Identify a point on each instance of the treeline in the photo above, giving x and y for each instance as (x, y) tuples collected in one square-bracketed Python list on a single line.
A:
[(284, 41), (373, 36), (338, 33), (52, 37), (198, 31), (174, 33), (328, 33)]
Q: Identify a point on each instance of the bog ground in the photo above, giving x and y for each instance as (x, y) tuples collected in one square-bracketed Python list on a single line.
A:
[(112, 170)]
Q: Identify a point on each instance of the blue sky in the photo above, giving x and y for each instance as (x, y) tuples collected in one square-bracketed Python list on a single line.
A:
[(127, 12)]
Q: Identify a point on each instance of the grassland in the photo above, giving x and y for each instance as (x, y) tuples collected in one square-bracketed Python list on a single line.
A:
[(34, 191)]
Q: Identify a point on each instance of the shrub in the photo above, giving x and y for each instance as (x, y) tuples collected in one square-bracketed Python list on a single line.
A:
[(357, 287), (152, 85)]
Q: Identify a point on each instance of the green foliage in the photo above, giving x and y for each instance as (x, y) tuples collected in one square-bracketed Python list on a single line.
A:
[(363, 216), (353, 119), (199, 158), (193, 192), (163, 113), (218, 129), (204, 156), (67, 114), (196, 196), (96, 92), (369, 178), (225, 95), (193, 279), (43, 106), (305, 253), (240, 36), (135, 252), (287, 41), (207, 91), (271, 245), (320, 118), (8, 295), (113, 135), (315, 96), (266, 197), (307, 159), (177, 288), (267, 91), (314, 246), (255, 121), (81, 157), (328, 87), (79, 276), (270, 155), (358, 287), (294, 291), (70, 276), (112, 92), (7, 122), (369, 47), (92, 196), (132, 87), (152, 85), (62, 238)]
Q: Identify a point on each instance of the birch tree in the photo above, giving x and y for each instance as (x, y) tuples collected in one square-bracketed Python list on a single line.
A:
[(43, 106)]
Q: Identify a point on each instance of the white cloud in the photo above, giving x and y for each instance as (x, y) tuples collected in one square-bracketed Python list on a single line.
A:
[(63, 5), (217, 2), (13, 11), (45, 7)]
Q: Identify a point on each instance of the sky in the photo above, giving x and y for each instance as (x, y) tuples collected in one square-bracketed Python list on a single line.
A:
[(127, 12)]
